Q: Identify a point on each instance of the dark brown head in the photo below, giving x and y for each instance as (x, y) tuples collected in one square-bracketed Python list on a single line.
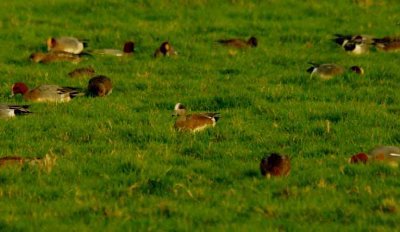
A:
[(350, 46), (275, 165), (129, 47), (19, 88), (252, 41), (166, 49), (359, 158), (357, 69)]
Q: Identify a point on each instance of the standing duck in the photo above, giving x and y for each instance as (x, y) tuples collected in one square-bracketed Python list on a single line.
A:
[(46, 93), (193, 122)]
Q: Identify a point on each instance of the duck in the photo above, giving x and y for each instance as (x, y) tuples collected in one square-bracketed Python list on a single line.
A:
[(40, 57), (46, 93), (239, 43), (11, 160), (84, 71), (9, 111), (275, 164), (355, 44), (328, 71), (128, 49), (65, 44), (165, 49), (387, 43), (193, 122), (387, 154), (99, 86)]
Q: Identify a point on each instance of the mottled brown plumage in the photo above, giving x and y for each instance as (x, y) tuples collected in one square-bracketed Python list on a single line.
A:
[(387, 43), (275, 165), (100, 86), (85, 71), (193, 122), (40, 57), (239, 43)]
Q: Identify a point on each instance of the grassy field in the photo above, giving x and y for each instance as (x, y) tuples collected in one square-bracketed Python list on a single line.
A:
[(119, 164)]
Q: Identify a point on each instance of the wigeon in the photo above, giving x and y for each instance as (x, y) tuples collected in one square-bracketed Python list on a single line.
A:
[(275, 165), (388, 154), (328, 71), (65, 44), (355, 44), (193, 122), (85, 71), (46, 93), (128, 49), (387, 43), (40, 57), (165, 49), (239, 43), (8, 111), (100, 86)]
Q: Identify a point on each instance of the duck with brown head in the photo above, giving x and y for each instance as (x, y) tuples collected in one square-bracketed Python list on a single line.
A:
[(165, 49), (328, 71), (193, 122), (128, 49), (275, 165), (46, 93), (385, 154)]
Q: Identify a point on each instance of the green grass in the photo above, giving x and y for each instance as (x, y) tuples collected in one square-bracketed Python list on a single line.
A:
[(120, 166)]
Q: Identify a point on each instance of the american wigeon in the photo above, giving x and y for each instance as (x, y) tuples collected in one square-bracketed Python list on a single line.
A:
[(128, 49), (165, 49), (239, 43), (40, 57), (99, 86), (387, 154), (328, 71), (85, 71), (46, 93), (275, 165), (355, 44), (193, 122), (387, 43), (65, 44), (8, 111)]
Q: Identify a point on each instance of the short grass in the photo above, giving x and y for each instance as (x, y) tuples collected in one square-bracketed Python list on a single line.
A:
[(120, 166)]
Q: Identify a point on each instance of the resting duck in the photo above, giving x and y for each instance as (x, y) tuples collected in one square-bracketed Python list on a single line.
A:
[(387, 43), (388, 154), (355, 44), (65, 44), (165, 49), (100, 86), (193, 122), (40, 57), (128, 49), (275, 165), (328, 71), (9, 111), (46, 93), (239, 43)]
